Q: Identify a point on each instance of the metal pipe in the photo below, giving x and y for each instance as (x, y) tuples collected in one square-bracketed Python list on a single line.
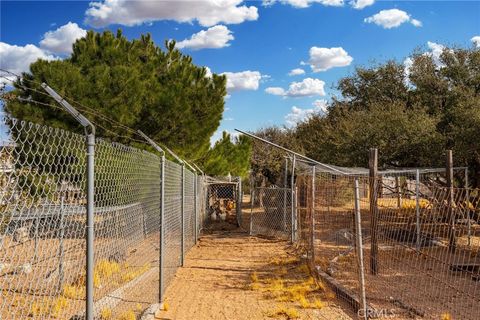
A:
[(60, 246), (467, 206), (285, 185), (162, 229), (90, 223), (359, 245), (292, 152), (293, 195), (312, 218), (90, 194), (183, 215), (195, 187)]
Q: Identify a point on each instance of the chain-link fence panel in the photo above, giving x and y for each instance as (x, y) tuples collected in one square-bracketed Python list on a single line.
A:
[(173, 220), (271, 213), (127, 229), (42, 222), (221, 202), (189, 201)]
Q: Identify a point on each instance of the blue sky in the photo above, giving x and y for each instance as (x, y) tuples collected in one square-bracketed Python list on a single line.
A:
[(327, 39)]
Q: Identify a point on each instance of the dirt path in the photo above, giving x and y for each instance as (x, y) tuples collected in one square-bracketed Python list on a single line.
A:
[(230, 275)]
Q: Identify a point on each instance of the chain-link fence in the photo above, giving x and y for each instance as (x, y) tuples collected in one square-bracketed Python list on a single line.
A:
[(418, 250), (223, 201), (43, 218), (271, 212)]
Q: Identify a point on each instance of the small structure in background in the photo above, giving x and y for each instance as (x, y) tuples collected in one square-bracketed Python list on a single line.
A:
[(223, 200)]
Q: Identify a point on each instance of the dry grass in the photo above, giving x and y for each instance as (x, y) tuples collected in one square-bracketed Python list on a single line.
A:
[(285, 312), (290, 282)]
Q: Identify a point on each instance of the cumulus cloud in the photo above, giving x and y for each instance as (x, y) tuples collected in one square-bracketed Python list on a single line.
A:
[(305, 88), (305, 3), (207, 13), (360, 4), (476, 41), (298, 115), (392, 18), (213, 38), (322, 59), (434, 51), (244, 80), (17, 59), (296, 72), (60, 41)]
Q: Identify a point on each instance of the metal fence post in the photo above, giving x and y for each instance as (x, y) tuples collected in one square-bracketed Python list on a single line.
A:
[(467, 196), (417, 205), (252, 202), (312, 217), (359, 247), (195, 191), (285, 185), (60, 246), (293, 197), (452, 243), (239, 202), (90, 139), (90, 223), (182, 259), (162, 229), (373, 186)]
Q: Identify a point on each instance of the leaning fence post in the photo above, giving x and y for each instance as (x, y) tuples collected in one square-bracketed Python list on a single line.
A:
[(293, 195), (373, 173), (452, 241), (90, 139), (312, 217), (359, 247), (417, 206), (182, 259)]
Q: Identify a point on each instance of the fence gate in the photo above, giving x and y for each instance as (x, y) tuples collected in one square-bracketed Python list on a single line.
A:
[(223, 201)]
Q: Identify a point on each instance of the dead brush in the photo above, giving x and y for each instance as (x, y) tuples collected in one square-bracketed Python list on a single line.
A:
[(285, 312)]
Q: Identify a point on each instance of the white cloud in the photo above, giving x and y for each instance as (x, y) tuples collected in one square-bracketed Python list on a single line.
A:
[(307, 87), (392, 18), (244, 80), (296, 72), (208, 72), (435, 52), (206, 12), (476, 41), (60, 41), (322, 59), (277, 91), (360, 4), (305, 3), (17, 59), (298, 115), (213, 38), (416, 23)]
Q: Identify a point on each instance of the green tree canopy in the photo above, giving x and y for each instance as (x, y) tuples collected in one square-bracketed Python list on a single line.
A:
[(412, 115), (133, 82), (227, 157)]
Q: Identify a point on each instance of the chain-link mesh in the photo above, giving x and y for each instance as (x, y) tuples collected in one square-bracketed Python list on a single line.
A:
[(42, 222), (271, 213), (43, 217), (173, 219), (221, 201), (426, 263)]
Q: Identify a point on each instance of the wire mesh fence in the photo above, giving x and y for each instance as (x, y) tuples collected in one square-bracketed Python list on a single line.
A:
[(271, 212), (43, 224)]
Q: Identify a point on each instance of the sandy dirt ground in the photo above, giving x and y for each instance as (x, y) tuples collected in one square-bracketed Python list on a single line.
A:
[(230, 275)]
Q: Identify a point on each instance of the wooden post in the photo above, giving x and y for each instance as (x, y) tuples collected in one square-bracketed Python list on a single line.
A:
[(452, 243), (373, 173), (398, 190)]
